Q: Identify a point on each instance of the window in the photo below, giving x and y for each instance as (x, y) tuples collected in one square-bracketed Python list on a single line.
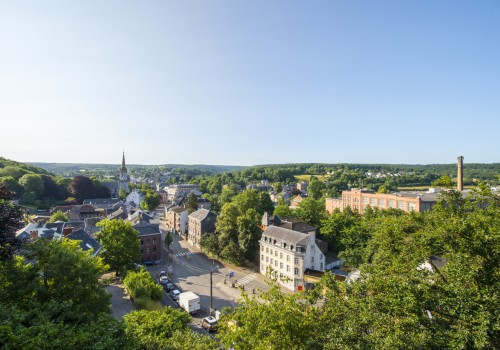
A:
[(147, 241), (284, 245), (391, 203), (296, 260), (281, 255), (154, 240), (271, 251), (412, 206), (281, 266), (142, 242), (381, 203), (365, 200), (373, 201), (271, 261), (287, 268), (276, 253), (401, 205), (147, 250), (287, 257), (154, 249), (296, 271), (262, 258), (312, 259), (291, 247), (265, 239), (276, 263), (267, 259), (298, 249), (321, 266), (267, 250)]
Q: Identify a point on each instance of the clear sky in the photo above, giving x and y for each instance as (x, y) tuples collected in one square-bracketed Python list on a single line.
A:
[(250, 82)]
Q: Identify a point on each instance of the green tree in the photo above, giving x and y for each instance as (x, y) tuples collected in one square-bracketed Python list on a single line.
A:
[(249, 233), (58, 216), (266, 205), (165, 329), (81, 187), (120, 244), (168, 240), (334, 226), (122, 194), (68, 274), (227, 195), (12, 185), (151, 201), (140, 284), (315, 189), (14, 171), (443, 181), (383, 189), (192, 203), (32, 184), (312, 211), (10, 220), (283, 211)]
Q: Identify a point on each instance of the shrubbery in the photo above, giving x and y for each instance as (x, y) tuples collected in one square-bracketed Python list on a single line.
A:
[(142, 287)]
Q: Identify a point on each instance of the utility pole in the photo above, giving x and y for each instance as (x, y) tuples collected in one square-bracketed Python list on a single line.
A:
[(211, 270)]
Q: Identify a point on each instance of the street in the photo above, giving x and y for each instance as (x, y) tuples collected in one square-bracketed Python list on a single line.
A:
[(191, 272)]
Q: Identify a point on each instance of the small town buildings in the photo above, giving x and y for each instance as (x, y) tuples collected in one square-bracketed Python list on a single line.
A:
[(182, 190), (203, 203), (359, 199), (102, 203), (134, 198), (151, 242), (286, 254), (176, 219), (87, 242), (302, 186), (291, 223), (113, 186), (294, 203), (120, 214), (77, 212), (200, 222)]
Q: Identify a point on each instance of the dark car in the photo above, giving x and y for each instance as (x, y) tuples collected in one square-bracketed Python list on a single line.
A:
[(209, 323), (148, 263), (169, 287)]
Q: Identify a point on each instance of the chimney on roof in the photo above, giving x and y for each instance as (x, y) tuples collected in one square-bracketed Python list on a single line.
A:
[(460, 174)]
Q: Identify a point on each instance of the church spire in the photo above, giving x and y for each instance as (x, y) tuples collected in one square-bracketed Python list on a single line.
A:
[(123, 162)]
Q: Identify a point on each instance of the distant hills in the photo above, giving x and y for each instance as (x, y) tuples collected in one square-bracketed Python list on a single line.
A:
[(72, 168), (6, 164)]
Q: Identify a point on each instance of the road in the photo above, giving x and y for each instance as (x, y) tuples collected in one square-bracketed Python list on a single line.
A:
[(192, 272)]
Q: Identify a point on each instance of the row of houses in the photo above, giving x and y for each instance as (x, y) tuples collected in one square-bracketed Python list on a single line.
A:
[(190, 226)]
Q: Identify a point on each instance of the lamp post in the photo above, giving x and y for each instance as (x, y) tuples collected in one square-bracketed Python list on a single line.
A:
[(211, 285)]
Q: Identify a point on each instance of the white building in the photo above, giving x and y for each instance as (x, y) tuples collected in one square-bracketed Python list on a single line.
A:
[(134, 198), (286, 254), (181, 190)]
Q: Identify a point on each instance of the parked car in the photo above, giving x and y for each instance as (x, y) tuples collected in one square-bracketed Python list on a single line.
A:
[(163, 280), (174, 294), (162, 273), (148, 263), (209, 323), (169, 287)]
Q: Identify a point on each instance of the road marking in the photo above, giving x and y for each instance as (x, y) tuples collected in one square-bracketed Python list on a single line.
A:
[(184, 254), (246, 279)]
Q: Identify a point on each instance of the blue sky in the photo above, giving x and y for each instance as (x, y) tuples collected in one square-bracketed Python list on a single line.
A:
[(250, 82)]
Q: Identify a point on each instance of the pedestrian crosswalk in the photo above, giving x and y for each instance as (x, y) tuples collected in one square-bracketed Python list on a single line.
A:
[(183, 254), (246, 279)]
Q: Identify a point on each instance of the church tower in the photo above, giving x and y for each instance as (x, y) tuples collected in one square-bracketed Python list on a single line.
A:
[(124, 175)]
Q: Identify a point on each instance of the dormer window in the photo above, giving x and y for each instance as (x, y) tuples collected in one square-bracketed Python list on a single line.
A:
[(291, 247), (274, 242), (284, 245), (265, 239)]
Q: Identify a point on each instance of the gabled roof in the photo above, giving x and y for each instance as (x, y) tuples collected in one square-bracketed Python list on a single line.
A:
[(286, 235), (118, 214), (178, 209), (102, 202), (86, 241), (207, 219)]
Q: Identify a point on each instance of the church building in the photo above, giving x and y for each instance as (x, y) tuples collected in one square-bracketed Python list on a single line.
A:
[(124, 178)]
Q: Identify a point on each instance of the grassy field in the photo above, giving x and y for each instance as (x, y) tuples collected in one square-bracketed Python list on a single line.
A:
[(308, 177)]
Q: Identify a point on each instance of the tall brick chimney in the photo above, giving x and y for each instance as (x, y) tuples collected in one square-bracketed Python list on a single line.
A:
[(460, 174)]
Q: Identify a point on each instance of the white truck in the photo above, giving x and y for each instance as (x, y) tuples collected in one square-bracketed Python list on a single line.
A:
[(189, 302)]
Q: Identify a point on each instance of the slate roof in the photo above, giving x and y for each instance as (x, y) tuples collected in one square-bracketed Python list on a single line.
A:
[(286, 235), (102, 202), (178, 209), (86, 241), (145, 228), (207, 219), (118, 214)]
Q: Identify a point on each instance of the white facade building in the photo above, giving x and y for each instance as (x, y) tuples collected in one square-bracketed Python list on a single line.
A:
[(174, 191), (286, 254), (134, 198)]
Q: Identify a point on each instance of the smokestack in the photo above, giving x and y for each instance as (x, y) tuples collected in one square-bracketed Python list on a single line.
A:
[(460, 174)]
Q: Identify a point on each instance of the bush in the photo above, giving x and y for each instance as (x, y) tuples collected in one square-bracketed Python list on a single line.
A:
[(141, 285)]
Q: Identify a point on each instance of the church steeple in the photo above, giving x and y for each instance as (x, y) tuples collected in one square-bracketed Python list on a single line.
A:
[(123, 162), (123, 175)]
